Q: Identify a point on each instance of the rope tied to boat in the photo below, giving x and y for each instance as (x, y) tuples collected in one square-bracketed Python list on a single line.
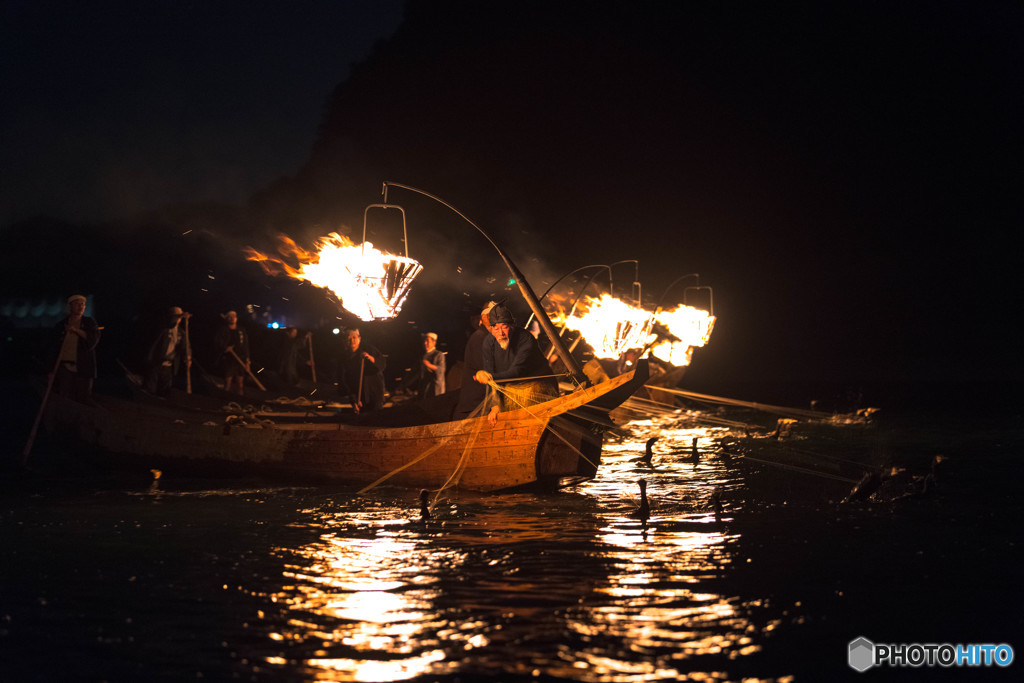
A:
[(459, 467), (524, 379), (547, 425)]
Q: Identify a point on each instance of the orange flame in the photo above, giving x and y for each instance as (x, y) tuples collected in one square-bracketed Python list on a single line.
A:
[(369, 283), (612, 326)]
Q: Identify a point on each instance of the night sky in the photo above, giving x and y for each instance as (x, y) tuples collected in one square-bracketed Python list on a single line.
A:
[(845, 175)]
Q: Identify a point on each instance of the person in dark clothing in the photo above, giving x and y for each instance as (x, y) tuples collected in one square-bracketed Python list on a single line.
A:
[(288, 357), (232, 346), (166, 352), (511, 353), (76, 361), (472, 393), (362, 374)]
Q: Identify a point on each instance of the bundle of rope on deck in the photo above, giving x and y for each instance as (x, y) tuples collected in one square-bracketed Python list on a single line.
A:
[(245, 415)]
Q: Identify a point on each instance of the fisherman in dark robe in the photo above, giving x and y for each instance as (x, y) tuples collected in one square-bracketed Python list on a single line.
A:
[(511, 353), (472, 393), (166, 353), (289, 354), (232, 344), (76, 363), (362, 374)]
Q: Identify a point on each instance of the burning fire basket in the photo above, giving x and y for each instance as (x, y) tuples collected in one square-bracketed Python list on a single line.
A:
[(392, 282)]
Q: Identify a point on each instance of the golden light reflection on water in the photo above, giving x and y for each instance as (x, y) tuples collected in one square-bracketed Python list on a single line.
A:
[(500, 584)]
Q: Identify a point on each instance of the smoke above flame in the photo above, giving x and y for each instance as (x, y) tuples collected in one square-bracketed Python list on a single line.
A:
[(611, 326), (369, 283)]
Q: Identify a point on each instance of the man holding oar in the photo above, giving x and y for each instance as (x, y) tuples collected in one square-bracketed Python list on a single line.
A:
[(232, 344), (362, 373), (168, 352), (74, 366)]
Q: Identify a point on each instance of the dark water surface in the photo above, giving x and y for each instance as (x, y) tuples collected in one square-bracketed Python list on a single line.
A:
[(109, 577)]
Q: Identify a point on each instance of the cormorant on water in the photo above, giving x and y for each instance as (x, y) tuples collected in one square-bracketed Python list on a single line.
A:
[(643, 512), (917, 485), (867, 486), (648, 452), (895, 485), (695, 453), (154, 486), (716, 503), (424, 506)]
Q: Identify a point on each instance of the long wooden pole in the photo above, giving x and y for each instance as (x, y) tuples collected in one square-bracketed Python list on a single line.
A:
[(42, 408), (232, 352), (571, 364), (362, 366), (188, 361), (312, 362)]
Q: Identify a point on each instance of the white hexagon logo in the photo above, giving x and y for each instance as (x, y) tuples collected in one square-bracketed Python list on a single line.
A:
[(861, 655)]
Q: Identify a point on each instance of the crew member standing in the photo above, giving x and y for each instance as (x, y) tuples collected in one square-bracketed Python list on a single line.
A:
[(289, 354), (362, 365), (428, 380), (232, 344), (472, 393), (165, 353), (76, 369)]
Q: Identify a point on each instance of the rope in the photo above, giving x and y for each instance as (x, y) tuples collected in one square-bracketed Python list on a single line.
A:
[(460, 466), (546, 426), (426, 453), (524, 379), (780, 410), (834, 458), (297, 401), (797, 468)]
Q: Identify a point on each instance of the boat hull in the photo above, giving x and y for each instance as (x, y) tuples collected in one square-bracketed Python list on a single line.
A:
[(540, 445)]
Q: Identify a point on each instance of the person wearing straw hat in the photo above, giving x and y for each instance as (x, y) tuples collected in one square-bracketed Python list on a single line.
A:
[(76, 362), (166, 353), (232, 345), (513, 360)]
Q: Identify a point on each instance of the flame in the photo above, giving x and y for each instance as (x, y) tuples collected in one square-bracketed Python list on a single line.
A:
[(612, 326), (369, 283), (691, 326)]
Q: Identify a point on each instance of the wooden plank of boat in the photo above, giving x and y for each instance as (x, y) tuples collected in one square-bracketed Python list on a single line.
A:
[(540, 444)]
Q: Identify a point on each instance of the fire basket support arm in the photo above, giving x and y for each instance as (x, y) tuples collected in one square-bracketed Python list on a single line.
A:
[(573, 366)]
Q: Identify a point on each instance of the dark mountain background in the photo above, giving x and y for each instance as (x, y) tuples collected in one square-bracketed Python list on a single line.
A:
[(844, 175)]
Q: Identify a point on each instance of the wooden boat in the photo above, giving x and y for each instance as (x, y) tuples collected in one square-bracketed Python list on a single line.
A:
[(550, 444), (649, 400)]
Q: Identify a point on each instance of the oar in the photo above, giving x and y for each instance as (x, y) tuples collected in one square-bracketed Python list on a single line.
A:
[(188, 361), (232, 352), (42, 407), (312, 363), (359, 394)]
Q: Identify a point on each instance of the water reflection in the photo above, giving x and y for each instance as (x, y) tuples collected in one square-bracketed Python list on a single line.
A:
[(567, 585)]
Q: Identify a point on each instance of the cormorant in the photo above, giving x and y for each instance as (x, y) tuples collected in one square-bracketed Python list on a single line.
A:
[(643, 512), (424, 505), (645, 460)]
